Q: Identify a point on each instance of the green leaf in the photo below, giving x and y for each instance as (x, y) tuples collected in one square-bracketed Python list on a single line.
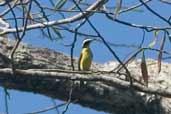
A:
[(57, 32), (72, 7), (160, 52), (144, 69), (153, 43), (117, 9), (60, 4)]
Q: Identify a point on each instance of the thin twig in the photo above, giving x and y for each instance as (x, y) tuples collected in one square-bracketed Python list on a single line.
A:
[(155, 13), (69, 99), (147, 28), (166, 1), (143, 38), (54, 103), (133, 7), (5, 12), (7, 96), (47, 109), (44, 17)]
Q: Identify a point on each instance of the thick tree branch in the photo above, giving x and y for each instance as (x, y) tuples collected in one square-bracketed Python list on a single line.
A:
[(76, 76)]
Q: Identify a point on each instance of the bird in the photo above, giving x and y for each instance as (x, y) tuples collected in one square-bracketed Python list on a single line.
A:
[(86, 56)]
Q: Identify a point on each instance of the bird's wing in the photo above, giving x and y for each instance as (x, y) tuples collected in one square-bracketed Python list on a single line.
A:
[(79, 68)]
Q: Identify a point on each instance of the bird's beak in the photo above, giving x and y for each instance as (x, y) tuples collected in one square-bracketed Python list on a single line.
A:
[(88, 41), (97, 39), (94, 39)]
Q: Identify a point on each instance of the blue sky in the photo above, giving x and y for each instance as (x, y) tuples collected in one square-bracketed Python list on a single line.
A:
[(22, 102), (25, 102)]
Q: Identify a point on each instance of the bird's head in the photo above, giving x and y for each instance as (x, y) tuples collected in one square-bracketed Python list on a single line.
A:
[(87, 42)]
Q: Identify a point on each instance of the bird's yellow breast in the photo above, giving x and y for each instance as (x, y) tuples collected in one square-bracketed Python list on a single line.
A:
[(86, 59)]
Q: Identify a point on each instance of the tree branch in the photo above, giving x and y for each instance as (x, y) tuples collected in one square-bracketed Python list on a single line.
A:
[(74, 18), (76, 76)]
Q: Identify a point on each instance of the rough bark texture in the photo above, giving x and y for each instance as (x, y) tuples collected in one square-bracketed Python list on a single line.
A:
[(99, 95)]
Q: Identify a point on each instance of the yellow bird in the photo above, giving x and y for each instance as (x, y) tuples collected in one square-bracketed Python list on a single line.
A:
[(86, 56)]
